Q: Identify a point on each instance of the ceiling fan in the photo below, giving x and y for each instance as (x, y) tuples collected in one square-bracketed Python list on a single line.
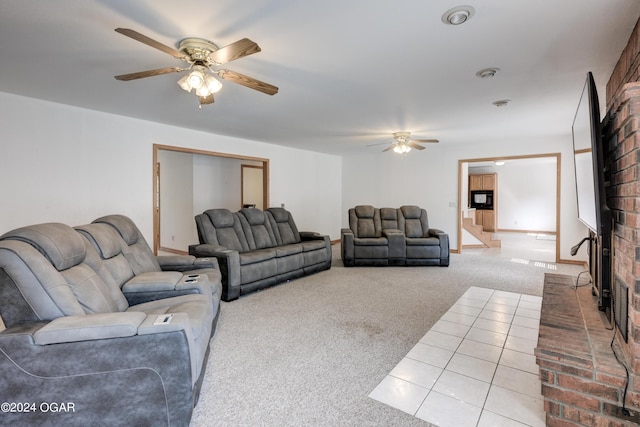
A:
[(203, 57), (403, 143)]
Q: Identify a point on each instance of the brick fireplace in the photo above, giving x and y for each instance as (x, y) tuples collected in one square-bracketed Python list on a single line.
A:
[(584, 382)]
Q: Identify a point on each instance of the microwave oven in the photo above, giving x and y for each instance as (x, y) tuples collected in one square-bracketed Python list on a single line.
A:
[(481, 199)]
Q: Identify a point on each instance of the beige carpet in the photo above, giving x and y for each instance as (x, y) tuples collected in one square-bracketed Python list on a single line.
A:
[(308, 352)]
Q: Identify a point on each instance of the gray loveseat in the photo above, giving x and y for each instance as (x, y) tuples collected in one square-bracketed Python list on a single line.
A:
[(256, 249), (74, 341), (390, 236)]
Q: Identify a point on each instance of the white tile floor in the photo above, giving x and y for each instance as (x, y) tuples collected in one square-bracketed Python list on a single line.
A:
[(475, 367)]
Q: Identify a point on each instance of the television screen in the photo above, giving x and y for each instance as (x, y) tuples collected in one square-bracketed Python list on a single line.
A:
[(588, 161), (590, 189)]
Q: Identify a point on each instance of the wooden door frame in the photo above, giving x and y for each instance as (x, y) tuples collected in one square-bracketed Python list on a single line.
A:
[(558, 158), (156, 183)]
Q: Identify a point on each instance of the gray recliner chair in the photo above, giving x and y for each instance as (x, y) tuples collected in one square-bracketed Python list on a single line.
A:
[(73, 338), (424, 245)]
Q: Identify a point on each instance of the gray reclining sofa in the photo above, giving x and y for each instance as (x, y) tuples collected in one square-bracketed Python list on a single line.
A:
[(390, 236), (256, 249), (74, 340)]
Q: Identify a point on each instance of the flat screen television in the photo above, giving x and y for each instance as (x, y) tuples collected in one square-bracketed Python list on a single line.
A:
[(593, 211)]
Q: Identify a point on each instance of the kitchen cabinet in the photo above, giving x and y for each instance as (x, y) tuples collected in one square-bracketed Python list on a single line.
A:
[(487, 218)]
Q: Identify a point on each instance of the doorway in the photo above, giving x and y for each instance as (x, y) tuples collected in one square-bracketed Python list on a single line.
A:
[(252, 186), (188, 181), (530, 205)]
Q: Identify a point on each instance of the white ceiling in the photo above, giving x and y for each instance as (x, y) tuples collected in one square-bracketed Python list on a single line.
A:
[(350, 72)]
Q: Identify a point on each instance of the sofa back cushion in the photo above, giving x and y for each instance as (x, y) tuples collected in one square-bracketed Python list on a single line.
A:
[(137, 251), (364, 221), (46, 262), (257, 228), (109, 262), (284, 228), (415, 221), (221, 227), (389, 218)]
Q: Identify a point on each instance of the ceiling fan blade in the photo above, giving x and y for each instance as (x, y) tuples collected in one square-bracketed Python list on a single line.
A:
[(204, 100), (388, 148), (248, 82), (234, 51), (148, 73), (150, 42), (378, 143), (414, 145), (424, 140)]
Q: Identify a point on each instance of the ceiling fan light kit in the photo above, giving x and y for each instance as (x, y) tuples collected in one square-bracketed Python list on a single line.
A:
[(202, 55), (403, 143)]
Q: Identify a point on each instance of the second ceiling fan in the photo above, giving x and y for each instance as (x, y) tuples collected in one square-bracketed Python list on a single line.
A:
[(403, 143), (202, 56)]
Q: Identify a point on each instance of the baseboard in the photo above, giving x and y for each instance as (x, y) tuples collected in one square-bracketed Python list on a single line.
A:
[(508, 230), (172, 251)]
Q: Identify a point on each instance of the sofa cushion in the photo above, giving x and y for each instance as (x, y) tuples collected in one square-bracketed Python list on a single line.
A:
[(284, 227), (313, 245), (389, 218), (62, 246), (257, 228), (415, 220), (423, 241), (137, 251), (287, 250), (221, 218), (125, 227), (225, 229), (253, 257), (365, 221), (103, 238), (370, 241)]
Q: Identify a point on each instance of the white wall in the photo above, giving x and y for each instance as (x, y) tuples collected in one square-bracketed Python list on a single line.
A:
[(216, 183), (429, 178), (527, 195), (66, 164)]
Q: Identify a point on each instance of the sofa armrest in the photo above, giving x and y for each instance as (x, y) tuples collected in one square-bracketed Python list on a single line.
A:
[(348, 246), (229, 264), (89, 327), (444, 245), (396, 242), (103, 378), (311, 235), (184, 262), (153, 281)]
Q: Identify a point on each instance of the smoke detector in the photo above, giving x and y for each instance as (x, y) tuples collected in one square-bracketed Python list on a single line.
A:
[(501, 102)]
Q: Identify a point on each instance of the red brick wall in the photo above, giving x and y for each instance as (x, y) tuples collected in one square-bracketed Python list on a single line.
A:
[(624, 199), (628, 67), (623, 109), (582, 382)]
